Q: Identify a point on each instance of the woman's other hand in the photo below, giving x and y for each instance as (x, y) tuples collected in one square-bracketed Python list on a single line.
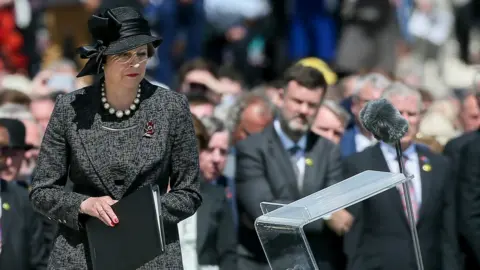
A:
[(100, 207)]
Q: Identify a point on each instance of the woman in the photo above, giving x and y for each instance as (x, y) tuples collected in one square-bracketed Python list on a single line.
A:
[(208, 238), (113, 137)]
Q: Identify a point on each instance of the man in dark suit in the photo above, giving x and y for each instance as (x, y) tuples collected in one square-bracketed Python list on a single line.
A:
[(469, 203), (16, 155), (208, 238), (470, 122), (464, 152), (380, 237), (454, 150), (216, 239), (286, 162), (356, 138), (22, 245)]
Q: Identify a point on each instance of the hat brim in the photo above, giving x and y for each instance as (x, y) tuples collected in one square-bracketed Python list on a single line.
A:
[(130, 43)]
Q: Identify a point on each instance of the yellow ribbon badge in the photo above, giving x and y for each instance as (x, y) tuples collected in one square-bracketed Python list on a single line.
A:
[(427, 167), (309, 162), (6, 206)]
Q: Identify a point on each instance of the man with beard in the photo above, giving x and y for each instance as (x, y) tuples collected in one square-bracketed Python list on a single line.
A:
[(285, 162)]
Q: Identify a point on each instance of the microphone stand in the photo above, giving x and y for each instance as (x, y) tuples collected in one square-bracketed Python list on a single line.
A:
[(408, 203)]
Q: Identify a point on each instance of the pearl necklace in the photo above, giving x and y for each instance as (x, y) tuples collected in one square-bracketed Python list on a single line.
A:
[(120, 113)]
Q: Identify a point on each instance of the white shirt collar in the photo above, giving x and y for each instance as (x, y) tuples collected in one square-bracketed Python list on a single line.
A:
[(286, 141), (390, 153)]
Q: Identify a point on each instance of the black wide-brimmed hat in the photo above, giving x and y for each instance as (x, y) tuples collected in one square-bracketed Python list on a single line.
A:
[(17, 132), (115, 31)]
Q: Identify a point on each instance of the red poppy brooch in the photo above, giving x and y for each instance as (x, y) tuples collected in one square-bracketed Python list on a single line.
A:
[(149, 129)]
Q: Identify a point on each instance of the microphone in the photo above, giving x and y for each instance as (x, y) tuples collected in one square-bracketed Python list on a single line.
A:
[(386, 123)]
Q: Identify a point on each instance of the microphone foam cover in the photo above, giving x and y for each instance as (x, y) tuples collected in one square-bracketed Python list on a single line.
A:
[(383, 120)]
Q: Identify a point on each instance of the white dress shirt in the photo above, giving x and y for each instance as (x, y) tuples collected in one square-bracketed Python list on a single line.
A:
[(411, 166), (362, 141), (187, 233)]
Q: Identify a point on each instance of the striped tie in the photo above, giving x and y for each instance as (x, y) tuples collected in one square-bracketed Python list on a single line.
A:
[(411, 190)]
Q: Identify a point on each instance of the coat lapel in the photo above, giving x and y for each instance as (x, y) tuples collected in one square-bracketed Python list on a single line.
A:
[(145, 142), (8, 215), (426, 178), (203, 217), (92, 135), (281, 160)]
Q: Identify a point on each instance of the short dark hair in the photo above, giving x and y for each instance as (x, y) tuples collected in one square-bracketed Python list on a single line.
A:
[(230, 73), (196, 98), (275, 84), (195, 64), (307, 77), (15, 97), (150, 50)]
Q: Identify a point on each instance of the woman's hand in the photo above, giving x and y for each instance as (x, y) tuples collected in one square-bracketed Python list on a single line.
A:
[(100, 207)]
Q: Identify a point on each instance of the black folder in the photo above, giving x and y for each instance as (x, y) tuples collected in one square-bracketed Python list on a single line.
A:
[(138, 237)]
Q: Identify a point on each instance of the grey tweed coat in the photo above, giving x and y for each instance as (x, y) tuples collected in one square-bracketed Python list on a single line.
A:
[(72, 148)]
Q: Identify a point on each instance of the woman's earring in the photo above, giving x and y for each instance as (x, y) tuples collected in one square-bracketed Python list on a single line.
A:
[(103, 66)]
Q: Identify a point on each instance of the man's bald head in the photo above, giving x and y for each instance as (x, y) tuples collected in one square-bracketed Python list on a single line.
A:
[(251, 114)]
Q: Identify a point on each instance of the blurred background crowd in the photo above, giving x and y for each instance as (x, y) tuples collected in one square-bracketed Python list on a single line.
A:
[(229, 58)]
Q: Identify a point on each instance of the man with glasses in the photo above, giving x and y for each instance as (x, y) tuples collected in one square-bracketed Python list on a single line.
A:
[(15, 154), (357, 138), (331, 121), (27, 138), (251, 113), (22, 239), (286, 162)]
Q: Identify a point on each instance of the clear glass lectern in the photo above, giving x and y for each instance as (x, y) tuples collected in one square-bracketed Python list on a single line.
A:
[(280, 228)]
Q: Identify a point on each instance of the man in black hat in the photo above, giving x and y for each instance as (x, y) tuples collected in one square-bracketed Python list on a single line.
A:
[(17, 148), (22, 241), (13, 159)]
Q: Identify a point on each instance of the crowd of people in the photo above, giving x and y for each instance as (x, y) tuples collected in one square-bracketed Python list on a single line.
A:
[(275, 91)]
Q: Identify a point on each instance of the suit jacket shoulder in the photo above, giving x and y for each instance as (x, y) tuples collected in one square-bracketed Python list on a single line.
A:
[(17, 191), (454, 145), (359, 157), (253, 141), (438, 160)]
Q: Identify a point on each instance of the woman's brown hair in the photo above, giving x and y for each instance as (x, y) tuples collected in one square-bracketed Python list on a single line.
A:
[(15, 97), (201, 133)]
